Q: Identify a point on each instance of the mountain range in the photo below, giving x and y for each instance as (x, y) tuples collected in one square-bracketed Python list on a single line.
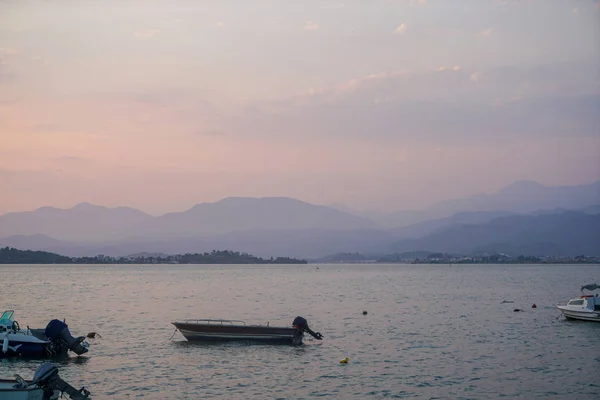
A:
[(520, 197), (525, 218), (89, 223), (568, 233)]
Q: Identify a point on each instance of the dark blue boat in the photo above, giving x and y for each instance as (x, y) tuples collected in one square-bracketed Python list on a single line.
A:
[(55, 340)]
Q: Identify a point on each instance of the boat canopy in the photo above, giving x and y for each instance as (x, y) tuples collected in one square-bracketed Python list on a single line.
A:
[(7, 317)]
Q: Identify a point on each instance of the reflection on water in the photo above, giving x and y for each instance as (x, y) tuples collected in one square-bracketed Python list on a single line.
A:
[(430, 332)]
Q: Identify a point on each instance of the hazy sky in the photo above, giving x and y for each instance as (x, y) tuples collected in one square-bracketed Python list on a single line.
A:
[(383, 104)]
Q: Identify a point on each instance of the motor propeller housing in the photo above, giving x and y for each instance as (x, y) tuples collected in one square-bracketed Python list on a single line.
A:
[(46, 377), (57, 330), (302, 324), (44, 373)]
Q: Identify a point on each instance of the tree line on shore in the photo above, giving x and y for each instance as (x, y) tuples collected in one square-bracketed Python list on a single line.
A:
[(10, 255)]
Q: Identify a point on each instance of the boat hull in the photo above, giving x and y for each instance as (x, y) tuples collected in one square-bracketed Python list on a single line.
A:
[(219, 333), (580, 315), (9, 392), (23, 348)]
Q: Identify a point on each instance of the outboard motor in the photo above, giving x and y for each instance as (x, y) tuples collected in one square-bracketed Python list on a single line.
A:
[(46, 377), (58, 331), (302, 324)]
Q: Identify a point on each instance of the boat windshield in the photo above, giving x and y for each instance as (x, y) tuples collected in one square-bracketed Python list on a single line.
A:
[(7, 316)]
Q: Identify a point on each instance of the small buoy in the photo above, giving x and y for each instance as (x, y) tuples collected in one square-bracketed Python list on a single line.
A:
[(364, 313), (534, 305), (517, 310), (344, 361)]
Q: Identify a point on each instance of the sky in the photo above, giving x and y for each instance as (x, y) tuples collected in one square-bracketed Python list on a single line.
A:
[(378, 104)]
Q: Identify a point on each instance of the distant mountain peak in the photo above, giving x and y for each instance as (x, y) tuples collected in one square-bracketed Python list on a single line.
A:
[(86, 206), (45, 208), (82, 222), (240, 201), (80, 206), (272, 198)]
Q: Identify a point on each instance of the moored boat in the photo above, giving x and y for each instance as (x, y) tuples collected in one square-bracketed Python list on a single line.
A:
[(46, 385), (585, 307), (233, 330), (54, 340)]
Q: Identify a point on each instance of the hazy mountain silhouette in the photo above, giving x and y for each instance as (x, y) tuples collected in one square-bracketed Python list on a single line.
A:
[(280, 226), (35, 242), (244, 214), (308, 243), (568, 233), (563, 233), (591, 210), (84, 222), (520, 197), (423, 228), (46, 243)]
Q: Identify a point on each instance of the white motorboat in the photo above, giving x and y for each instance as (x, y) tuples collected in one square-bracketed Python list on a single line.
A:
[(585, 307), (46, 385)]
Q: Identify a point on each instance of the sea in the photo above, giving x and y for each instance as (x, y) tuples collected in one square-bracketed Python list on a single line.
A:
[(430, 332)]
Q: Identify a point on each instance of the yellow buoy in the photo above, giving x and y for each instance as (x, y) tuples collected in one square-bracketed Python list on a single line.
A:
[(344, 361)]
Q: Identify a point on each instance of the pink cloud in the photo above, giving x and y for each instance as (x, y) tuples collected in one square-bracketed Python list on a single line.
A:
[(401, 29)]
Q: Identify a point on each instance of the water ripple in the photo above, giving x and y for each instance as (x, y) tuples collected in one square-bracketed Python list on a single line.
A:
[(431, 332)]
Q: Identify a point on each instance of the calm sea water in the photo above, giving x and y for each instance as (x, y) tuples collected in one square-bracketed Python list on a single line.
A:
[(432, 332)]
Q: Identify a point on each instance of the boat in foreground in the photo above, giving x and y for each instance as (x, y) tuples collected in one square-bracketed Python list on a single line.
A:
[(45, 385), (585, 307), (54, 340), (232, 330)]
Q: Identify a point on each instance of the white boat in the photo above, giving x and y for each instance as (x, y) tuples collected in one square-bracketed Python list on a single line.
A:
[(585, 307), (46, 385)]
